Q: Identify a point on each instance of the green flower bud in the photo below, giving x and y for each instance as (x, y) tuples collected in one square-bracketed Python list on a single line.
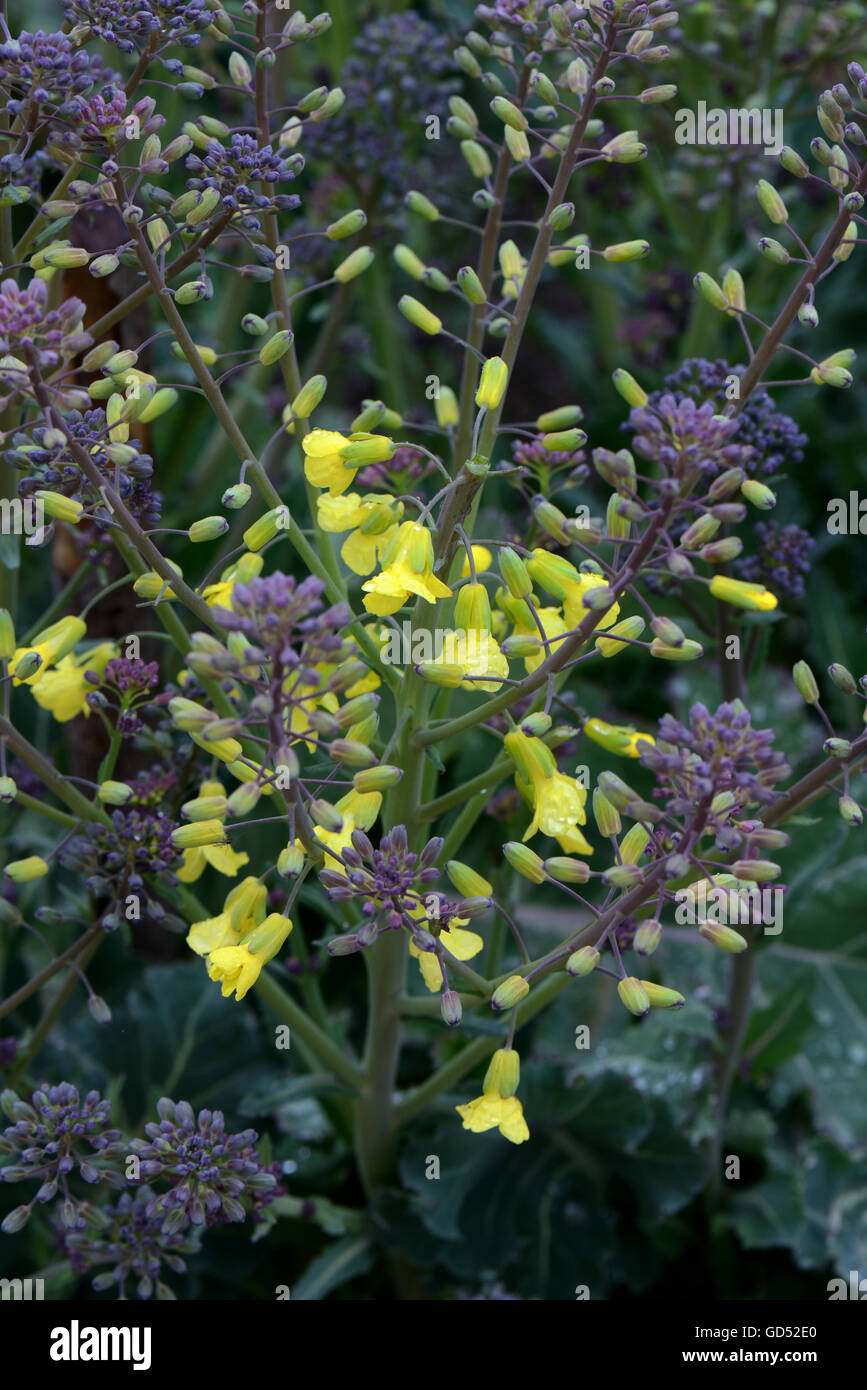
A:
[(103, 265), (348, 225), (8, 790), (198, 834), (605, 814), (565, 440), (850, 811), (206, 203), (711, 291), (652, 96), (66, 257), (633, 844), (623, 876), (805, 683), (417, 202), (721, 552), (467, 62), (687, 651), (278, 344), (352, 753), (843, 679), (60, 507), (333, 103), (419, 316), (515, 574), (237, 496), (627, 251), (759, 495), (837, 747), (510, 993), (290, 861), (243, 799), (266, 527), (26, 870), (254, 325), (376, 779), (627, 387), (660, 997), (113, 793), (771, 203), (755, 870), (28, 666), (724, 937), (375, 448), (355, 264), (793, 163), (470, 285), (508, 113), (308, 397), (634, 996), (647, 939), (477, 158), (408, 261), (564, 869), (204, 808), (582, 962), (525, 861), (208, 528)]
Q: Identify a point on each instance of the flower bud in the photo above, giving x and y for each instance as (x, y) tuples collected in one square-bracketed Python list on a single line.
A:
[(711, 291), (206, 807), (510, 992), (467, 882), (634, 996), (492, 385), (837, 748), (351, 752), (724, 937), (60, 507), (793, 163), (850, 811), (662, 998), (633, 844), (755, 870), (419, 316), (266, 527), (237, 496), (647, 939), (758, 494), (771, 203), (687, 651), (208, 528), (8, 790), (515, 574), (348, 225), (605, 814), (308, 397), (451, 1010), (199, 833), (113, 793), (582, 962), (631, 628), (627, 251), (525, 860), (843, 679), (25, 870), (626, 386), (476, 157), (278, 344), (470, 285), (566, 440), (376, 779), (564, 869), (753, 597), (508, 113), (805, 683)]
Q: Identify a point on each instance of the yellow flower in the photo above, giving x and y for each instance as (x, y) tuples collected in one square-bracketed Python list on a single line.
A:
[(372, 521), (64, 689), (558, 801), (463, 945), (323, 466), (407, 568), (574, 608), (239, 967), (219, 595), (51, 645), (498, 1107), (553, 625), (359, 810), (243, 909), (221, 857), (477, 653)]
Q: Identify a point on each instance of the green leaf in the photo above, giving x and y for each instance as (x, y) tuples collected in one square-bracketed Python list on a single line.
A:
[(334, 1267), (770, 1214)]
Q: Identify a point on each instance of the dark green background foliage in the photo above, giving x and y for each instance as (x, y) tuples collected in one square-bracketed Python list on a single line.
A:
[(611, 1191)]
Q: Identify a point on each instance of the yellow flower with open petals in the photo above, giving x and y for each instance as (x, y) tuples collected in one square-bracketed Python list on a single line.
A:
[(558, 801), (407, 568), (372, 520), (478, 654), (243, 909), (238, 967), (63, 690), (463, 945), (359, 810), (323, 466), (498, 1107)]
